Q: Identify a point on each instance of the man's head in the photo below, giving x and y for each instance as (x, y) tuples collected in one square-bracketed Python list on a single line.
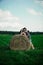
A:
[(24, 29)]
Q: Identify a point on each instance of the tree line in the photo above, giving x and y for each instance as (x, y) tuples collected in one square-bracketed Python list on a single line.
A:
[(17, 32)]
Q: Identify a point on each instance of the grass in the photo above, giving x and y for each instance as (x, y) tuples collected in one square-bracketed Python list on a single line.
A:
[(31, 57)]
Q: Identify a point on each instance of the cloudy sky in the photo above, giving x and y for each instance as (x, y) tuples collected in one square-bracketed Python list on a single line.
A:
[(16, 14)]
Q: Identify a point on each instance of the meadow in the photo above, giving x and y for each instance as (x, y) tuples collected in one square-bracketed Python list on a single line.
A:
[(30, 57)]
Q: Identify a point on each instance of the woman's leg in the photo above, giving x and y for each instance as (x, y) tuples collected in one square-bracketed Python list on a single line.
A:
[(32, 44)]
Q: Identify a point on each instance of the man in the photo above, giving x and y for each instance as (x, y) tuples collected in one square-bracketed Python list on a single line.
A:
[(24, 30)]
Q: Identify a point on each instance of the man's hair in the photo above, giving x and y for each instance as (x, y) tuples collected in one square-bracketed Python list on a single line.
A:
[(24, 30)]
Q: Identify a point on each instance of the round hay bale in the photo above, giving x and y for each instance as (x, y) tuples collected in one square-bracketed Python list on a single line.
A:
[(19, 42)]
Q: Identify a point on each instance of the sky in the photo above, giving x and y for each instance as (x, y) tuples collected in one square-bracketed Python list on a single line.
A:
[(16, 14)]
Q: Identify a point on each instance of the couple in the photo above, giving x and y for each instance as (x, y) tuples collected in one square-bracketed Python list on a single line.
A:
[(27, 34)]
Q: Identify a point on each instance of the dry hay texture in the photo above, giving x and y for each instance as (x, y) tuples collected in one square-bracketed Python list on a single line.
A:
[(19, 42)]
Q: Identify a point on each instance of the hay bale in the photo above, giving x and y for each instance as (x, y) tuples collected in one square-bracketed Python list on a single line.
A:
[(19, 42)]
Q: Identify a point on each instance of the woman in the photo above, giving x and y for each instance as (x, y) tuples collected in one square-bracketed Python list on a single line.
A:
[(24, 30)]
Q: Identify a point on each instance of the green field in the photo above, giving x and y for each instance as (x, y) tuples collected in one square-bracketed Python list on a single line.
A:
[(31, 57)]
